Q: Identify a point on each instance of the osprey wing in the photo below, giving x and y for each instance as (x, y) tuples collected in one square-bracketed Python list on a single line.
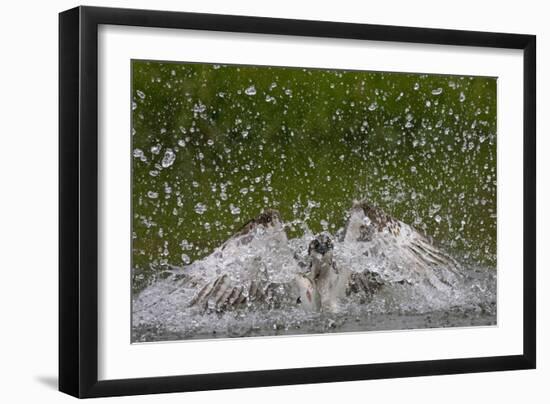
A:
[(255, 264), (398, 251)]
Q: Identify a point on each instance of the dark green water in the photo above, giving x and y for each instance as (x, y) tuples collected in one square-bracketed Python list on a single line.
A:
[(215, 145)]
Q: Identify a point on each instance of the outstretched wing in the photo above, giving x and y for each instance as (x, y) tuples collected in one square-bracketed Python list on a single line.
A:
[(222, 294), (400, 252), (256, 264)]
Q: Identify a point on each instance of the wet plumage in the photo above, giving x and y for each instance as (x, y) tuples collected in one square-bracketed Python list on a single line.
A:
[(392, 251), (406, 254)]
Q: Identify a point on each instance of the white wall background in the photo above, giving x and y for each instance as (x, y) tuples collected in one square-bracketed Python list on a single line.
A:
[(28, 199)]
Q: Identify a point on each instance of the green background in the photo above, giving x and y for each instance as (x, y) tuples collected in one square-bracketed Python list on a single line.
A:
[(246, 138)]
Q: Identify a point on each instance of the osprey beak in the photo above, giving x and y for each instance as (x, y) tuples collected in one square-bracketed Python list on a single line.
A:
[(322, 248)]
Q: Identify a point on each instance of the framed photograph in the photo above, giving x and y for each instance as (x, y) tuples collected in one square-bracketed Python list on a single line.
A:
[(251, 201)]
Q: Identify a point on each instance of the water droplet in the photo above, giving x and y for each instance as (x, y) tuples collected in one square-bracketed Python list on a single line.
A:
[(234, 210), (462, 97), (373, 106), (152, 195), (437, 218), (156, 149), (169, 158), (185, 259), (250, 90), (199, 107), (138, 153), (140, 94), (200, 208), (437, 91)]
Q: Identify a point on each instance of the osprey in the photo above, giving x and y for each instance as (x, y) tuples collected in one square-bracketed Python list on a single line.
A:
[(388, 251)]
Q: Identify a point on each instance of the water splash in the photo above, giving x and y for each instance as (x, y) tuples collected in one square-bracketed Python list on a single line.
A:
[(408, 299)]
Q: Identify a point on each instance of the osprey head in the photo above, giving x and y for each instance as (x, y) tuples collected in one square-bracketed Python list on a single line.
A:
[(321, 244), (320, 252)]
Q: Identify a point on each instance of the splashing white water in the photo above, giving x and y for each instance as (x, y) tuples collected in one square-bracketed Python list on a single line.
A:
[(265, 255)]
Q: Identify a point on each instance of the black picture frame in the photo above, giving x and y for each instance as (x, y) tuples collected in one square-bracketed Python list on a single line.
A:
[(78, 201)]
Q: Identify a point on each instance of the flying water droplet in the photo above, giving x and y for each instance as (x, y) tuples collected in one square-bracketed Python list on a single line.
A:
[(250, 90), (156, 149), (185, 259), (186, 245), (199, 107), (200, 208), (169, 158)]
